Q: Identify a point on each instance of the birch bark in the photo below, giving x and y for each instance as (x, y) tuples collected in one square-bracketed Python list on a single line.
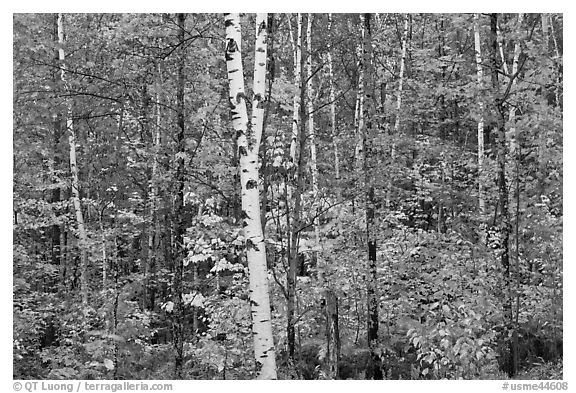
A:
[(311, 131), (401, 75), (480, 133), (249, 134), (335, 139), (83, 238)]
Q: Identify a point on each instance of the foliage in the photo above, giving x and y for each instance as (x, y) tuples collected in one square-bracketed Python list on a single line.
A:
[(441, 288)]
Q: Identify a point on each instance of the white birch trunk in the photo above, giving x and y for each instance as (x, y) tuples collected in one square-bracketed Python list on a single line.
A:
[(501, 49), (545, 31), (153, 230), (83, 238), (512, 112), (480, 76), (359, 111), (297, 48), (297, 54), (557, 52), (249, 135), (401, 76), (333, 107), (311, 132)]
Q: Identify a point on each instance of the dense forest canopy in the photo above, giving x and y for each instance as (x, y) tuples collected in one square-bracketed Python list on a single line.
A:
[(287, 196)]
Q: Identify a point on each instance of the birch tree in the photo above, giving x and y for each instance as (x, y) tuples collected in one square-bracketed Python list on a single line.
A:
[(512, 112), (404, 49), (332, 97), (311, 132), (249, 134), (83, 237), (401, 74), (480, 133)]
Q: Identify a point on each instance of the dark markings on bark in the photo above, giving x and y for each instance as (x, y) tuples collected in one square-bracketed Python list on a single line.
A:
[(250, 244)]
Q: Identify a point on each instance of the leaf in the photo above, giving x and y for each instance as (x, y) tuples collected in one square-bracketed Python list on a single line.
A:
[(168, 306), (109, 364)]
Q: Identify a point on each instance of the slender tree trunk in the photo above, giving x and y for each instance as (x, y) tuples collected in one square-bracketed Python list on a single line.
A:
[(514, 148), (480, 76), (264, 147), (501, 49), (83, 237), (359, 111), (297, 49), (179, 251), (311, 132), (297, 150), (401, 76), (558, 63), (512, 112), (374, 370), (249, 134), (56, 250), (104, 251), (154, 228), (293, 216), (398, 105), (504, 222), (330, 298), (545, 32), (335, 135)]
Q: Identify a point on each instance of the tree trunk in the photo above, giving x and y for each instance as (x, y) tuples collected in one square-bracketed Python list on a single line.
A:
[(359, 111), (480, 76), (179, 252), (558, 64), (249, 135), (512, 113), (83, 238), (504, 222), (56, 249), (297, 49), (297, 149), (154, 227), (401, 76), (398, 105), (545, 32), (311, 132), (514, 147), (264, 148), (366, 135), (330, 298), (332, 97)]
